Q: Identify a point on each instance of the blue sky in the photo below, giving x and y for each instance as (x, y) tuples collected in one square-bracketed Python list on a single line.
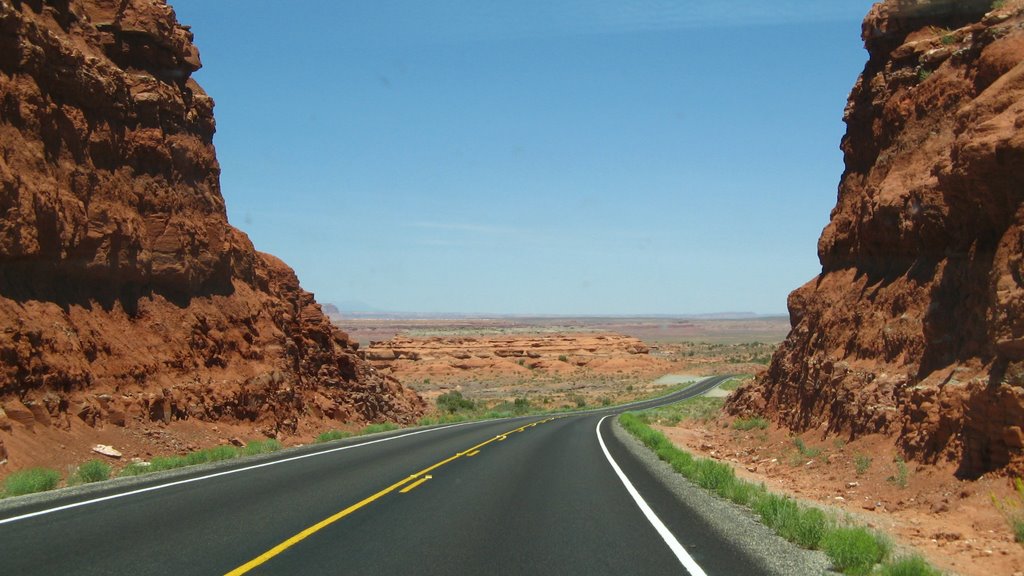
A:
[(533, 157)]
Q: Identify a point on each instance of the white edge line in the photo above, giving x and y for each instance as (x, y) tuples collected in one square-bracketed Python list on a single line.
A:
[(214, 475), (684, 557)]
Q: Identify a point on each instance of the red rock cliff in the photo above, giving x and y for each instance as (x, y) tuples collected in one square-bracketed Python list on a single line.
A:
[(125, 295), (915, 326)]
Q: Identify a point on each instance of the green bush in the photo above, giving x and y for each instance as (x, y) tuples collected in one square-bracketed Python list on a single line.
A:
[(30, 481), (853, 550), (340, 434), (908, 566), (452, 402), (92, 471)]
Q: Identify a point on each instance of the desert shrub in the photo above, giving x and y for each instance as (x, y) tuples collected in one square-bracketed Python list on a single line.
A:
[(30, 481), (452, 402)]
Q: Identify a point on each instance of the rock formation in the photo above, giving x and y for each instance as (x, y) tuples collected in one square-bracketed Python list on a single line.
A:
[(915, 326), (125, 295), (444, 358)]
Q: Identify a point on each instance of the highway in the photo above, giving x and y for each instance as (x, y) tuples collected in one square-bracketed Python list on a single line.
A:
[(534, 495)]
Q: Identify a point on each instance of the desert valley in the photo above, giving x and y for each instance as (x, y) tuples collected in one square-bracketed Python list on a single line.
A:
[(137, 324)]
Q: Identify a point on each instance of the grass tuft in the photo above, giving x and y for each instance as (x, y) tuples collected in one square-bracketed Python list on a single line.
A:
[(337, 435), (756, 422), (376, 428), (30, 481), (93, 471), (854, 550), (908, 566), (261, 447)]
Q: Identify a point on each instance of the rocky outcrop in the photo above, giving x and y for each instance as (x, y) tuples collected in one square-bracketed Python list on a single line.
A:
[(125, 295), (446, 358), (915, 327)]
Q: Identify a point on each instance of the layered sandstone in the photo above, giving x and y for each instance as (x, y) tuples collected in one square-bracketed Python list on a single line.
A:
[(126, 298), (451, 358), (915, 326)]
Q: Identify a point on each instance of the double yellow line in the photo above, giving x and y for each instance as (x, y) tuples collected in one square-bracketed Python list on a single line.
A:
[(416, 479)]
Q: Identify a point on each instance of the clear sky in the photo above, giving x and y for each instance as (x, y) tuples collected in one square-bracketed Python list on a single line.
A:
[(536, 156)]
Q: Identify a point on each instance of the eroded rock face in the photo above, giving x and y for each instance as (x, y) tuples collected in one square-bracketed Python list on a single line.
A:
[(915, 327), (125, 295), (444, 358)]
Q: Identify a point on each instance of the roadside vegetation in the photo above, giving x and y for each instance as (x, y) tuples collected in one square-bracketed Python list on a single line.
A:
[(1012, 509), (452, 407), (852, 549), (30, 481)]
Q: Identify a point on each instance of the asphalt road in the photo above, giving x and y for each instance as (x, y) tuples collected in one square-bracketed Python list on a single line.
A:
[(533, 495)]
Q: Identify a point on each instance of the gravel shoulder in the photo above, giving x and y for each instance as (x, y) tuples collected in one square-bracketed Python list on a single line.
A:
[(779, 557)]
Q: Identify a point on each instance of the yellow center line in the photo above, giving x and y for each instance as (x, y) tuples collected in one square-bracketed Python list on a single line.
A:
[(415, 484), (419, 478)]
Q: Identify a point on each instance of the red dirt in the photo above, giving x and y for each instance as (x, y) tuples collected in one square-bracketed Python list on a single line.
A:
[(953, 522)]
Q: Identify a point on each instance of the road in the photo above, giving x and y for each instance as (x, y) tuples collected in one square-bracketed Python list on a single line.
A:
[(534, 495)]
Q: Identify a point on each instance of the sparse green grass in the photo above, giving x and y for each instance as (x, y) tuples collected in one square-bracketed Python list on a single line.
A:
[(92, 471), (908, 566), (701, 408), (376, 428), (215, 454), (734, 382), (854, 550), (331, 435), (998, 4), (923, 74), (861, 463), (805, 450), (750, 423), (261, 447), (901, 475), (1012, 509), (134, 469), (30, 481)]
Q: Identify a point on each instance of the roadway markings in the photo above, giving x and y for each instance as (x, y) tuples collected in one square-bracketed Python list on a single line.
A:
[(415, 484), (473, 453), (217, 474), (684, 557), (416, 479)]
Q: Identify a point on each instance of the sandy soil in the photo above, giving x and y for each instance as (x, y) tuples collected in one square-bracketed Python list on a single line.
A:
[(953, 522)]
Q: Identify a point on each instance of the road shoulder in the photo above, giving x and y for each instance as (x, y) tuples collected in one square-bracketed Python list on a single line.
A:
[(730, 521)]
